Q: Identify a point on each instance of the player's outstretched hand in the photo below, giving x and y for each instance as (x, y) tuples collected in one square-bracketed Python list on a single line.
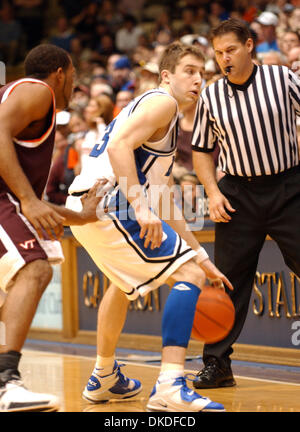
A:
[(216, 277), (90, 201)]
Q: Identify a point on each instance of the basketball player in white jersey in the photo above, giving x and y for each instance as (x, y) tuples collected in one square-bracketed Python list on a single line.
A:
[(136, 249)]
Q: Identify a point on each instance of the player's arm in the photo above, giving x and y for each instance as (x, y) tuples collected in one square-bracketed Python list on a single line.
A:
[(204, 167), (27, 103), (89, 200), (152, 116), (177, 222)]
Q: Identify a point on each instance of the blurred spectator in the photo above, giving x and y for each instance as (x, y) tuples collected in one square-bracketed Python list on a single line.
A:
[(187, 21), (98, 114), (258, 35), (63, 34), (85, 23), (10, 33), (294, 20), (80, 97), (72, 8), (62, 171), (106, 47), (127, 36), (205, 46), (194, 201), (217, 13), (211, 70), (133, 7), (123, 98), (111, 61), (161, 22), (273, 58), (268, 21), (78, 129), (164, 37), (201, 25), (143, 52), (30, 14), (109, 13), (250, 11), (122, 76), (289, 40), (183, 160), (98, 88), (158, 50), (77, 126), (293, 57), (148, 78)]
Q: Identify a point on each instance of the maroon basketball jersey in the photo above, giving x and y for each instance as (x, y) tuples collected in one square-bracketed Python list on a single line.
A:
[(34, 155)]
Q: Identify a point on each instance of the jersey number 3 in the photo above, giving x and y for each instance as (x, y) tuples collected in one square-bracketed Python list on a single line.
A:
[(99, 148)]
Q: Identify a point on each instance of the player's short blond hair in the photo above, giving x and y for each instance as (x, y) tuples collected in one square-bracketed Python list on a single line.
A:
[(174, 53)]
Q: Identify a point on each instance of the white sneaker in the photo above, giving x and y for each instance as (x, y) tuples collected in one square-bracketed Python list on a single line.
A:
[(177, 397), (15, 397), (112, 386)]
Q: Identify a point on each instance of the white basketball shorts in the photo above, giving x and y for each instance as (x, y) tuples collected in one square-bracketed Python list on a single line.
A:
[(115, 247)]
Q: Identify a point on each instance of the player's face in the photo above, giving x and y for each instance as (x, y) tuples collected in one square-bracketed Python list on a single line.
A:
[(185, 82), (68, 85), (235, 55)]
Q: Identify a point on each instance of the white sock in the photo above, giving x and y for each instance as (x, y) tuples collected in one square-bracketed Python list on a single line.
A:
[(170, 371), (105, 364)]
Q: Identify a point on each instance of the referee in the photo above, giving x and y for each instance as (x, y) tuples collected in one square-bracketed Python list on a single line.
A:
[(251, 114)]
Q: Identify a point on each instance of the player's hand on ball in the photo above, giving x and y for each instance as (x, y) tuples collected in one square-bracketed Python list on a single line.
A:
[(217, 278)]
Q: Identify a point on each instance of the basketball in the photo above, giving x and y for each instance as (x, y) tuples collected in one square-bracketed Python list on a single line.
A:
[(214, 315)]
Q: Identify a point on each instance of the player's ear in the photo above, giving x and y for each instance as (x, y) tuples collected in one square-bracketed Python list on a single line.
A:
[(60, 74), (165, 76)]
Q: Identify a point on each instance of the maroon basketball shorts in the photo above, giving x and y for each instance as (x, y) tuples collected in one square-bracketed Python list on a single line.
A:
[(19, 242)]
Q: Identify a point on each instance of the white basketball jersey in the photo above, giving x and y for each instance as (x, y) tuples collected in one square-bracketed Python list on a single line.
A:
[(154, 160), (114, 241)]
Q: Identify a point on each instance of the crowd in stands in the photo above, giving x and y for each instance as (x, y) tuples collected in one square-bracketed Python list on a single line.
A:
[(116, 46)]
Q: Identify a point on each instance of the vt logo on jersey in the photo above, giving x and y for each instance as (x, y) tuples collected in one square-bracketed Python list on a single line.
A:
[(28, 244)]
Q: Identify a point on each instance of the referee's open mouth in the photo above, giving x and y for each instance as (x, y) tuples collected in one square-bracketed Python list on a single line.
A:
[(228, 69)]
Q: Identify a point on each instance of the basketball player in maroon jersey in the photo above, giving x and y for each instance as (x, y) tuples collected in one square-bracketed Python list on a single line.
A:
[(29, 227)]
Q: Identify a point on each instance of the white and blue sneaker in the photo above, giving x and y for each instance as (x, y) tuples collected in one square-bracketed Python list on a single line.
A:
[(15, 397), (176, 396), (101, 389)]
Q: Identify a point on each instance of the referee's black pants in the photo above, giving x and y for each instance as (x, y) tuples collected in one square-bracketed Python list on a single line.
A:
[(264, 205)]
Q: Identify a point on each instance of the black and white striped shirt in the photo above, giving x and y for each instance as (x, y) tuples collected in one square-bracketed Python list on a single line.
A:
[(254, 123)]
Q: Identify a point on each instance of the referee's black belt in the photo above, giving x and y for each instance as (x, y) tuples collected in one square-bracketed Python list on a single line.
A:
[(265, 179), (78, 194)]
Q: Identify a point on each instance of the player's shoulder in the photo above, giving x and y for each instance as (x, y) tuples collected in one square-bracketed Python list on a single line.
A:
[(158, 94), (32, 87), (158, 101), (28, 96)]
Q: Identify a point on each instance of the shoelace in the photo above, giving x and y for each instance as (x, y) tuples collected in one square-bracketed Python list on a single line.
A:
[(207, 369), (122, 378), (182, 380)]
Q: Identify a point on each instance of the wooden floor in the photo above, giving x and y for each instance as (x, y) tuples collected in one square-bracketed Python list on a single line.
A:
[(66, 375)]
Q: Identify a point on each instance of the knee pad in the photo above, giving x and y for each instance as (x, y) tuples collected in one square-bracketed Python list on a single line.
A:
[(178, 315)]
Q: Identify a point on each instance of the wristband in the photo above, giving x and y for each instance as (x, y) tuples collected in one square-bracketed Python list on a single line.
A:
[(202, 254)]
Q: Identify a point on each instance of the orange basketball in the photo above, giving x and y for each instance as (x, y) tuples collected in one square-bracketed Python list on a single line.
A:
[(214, 316)]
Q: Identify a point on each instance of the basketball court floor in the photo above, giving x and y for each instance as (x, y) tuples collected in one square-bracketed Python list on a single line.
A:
[(260, 387)]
